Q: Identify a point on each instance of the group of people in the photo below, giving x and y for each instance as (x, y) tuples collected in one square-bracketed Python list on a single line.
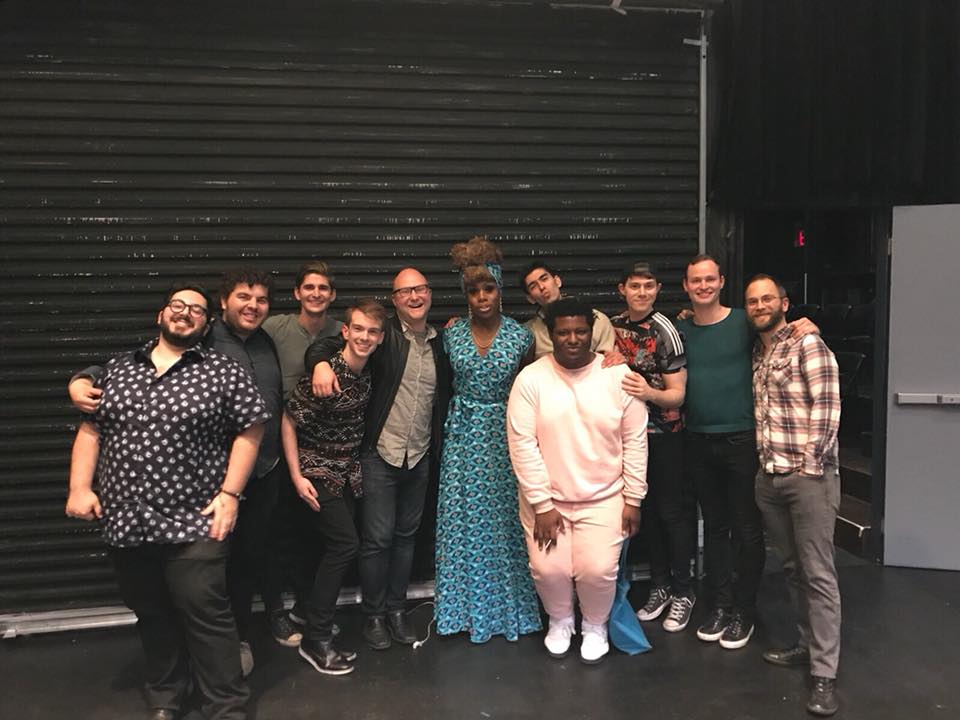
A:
[(548, 439)]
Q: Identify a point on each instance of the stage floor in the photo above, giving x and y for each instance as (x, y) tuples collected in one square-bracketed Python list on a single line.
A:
[(900, 654)]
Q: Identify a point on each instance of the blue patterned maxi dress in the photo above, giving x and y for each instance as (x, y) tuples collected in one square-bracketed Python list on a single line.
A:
[(483, 576)]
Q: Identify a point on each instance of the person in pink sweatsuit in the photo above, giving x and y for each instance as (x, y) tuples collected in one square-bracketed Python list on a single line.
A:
[(578, 444)]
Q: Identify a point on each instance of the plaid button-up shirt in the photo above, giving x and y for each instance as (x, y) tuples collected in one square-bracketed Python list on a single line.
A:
[(796, 394)]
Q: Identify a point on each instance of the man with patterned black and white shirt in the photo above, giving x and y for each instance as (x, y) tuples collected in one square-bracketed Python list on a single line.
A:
[(172, 443)]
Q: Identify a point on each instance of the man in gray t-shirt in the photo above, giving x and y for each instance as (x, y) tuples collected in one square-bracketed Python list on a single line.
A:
[(293, 333)]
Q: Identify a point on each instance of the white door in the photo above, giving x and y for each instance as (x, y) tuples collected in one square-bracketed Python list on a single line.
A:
[(922, 509)]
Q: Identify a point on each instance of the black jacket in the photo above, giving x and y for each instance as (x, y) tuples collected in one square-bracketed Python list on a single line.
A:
[(386, 369)]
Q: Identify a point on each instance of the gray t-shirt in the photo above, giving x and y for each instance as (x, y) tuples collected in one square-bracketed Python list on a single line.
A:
[(292, 342)]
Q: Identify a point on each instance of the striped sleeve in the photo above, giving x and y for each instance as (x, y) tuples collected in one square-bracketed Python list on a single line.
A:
[(670, 351)]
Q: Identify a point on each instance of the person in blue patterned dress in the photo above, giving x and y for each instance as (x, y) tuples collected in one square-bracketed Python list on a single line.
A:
[(483, 583)]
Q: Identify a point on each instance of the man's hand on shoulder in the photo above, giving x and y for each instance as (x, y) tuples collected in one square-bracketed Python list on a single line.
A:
[(635, 385), (803, 326), (84, 396), (324, 380)]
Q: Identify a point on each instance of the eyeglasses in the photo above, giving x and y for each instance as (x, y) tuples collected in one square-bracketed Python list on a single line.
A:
[(406, 292), (764, 299), (179, 306)]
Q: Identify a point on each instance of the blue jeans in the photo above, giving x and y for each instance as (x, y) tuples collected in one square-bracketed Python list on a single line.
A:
[(392, 507)]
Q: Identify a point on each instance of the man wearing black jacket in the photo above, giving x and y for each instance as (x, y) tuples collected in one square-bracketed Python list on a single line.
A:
[(401, 441)]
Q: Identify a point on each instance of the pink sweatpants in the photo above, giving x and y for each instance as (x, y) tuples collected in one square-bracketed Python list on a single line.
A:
[(586, 555)]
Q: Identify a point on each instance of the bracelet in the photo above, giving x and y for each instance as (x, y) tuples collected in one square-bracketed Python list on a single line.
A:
[(238, 495)]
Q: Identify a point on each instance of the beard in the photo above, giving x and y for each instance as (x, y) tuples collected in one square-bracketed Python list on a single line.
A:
[(771, 322), (185, 340)]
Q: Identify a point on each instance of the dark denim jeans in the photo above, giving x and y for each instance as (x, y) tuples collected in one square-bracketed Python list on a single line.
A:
[(669, 514), (392, 507), (252, 564), (333, 526), (723, 469)]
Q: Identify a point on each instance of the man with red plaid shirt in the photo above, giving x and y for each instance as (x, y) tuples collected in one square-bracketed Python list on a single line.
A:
[(796, 393)]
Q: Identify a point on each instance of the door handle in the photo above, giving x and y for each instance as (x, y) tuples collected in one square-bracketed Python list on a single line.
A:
[(928, 398)]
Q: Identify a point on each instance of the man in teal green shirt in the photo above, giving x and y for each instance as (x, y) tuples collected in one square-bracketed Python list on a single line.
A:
[(720, 452)]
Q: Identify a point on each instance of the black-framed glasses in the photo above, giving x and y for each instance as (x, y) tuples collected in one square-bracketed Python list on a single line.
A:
[(179, 306), (406, 292)]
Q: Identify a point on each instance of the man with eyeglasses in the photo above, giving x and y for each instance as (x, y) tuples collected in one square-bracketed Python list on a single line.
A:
[(172, 442), (401, 444), (796, 396), (238, 333)]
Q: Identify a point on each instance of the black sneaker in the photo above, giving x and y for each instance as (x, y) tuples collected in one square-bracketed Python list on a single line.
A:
[(325, 658), (713, 627), (284, 631), (788, 657), (657, 601), (298, 614), (737, 633), (823, 697), (679, 616)]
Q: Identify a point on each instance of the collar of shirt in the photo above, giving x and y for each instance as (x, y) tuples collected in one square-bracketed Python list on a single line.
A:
[(408, 331), (197, 352), (625, 316), (782, 335)]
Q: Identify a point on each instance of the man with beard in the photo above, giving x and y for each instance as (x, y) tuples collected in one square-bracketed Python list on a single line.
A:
[(401, 443), (578, 443), (244, 304), (796, 393), (172, 443)]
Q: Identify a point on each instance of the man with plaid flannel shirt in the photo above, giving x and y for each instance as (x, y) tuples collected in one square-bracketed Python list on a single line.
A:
[(796, 393)]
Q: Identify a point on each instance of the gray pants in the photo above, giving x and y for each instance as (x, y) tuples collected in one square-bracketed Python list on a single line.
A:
[(799, 513)]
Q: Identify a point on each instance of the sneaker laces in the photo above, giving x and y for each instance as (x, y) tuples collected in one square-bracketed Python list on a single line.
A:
[(737, 622), (656, 598), (679, 608)]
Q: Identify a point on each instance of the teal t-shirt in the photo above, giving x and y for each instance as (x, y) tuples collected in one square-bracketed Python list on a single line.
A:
[(719, 374)]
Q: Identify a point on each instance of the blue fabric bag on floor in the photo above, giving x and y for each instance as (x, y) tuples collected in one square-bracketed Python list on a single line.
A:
[(624, 629)]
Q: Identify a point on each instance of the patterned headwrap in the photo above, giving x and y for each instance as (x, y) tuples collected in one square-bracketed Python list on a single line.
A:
[(495, 270)]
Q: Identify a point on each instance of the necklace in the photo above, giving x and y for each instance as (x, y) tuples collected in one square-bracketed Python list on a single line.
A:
[(489, 340)]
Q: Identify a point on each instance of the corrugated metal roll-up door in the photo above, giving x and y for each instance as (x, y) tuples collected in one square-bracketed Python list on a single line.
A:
[(141, 146)]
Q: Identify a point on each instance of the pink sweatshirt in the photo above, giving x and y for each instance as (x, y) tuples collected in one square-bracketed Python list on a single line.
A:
[(575, 435)]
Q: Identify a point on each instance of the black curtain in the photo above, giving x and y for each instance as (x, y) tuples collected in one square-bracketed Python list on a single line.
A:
[(825, 103)]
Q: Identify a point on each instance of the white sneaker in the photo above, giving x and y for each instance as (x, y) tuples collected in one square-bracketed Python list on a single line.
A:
[(594, 645), (246, 658), (557, 639)]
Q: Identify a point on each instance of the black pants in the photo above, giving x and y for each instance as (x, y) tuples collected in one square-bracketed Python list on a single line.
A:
[(253, 551), (723, 468), (332, 526), (179, 595), (669, 514), (392, 508)]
